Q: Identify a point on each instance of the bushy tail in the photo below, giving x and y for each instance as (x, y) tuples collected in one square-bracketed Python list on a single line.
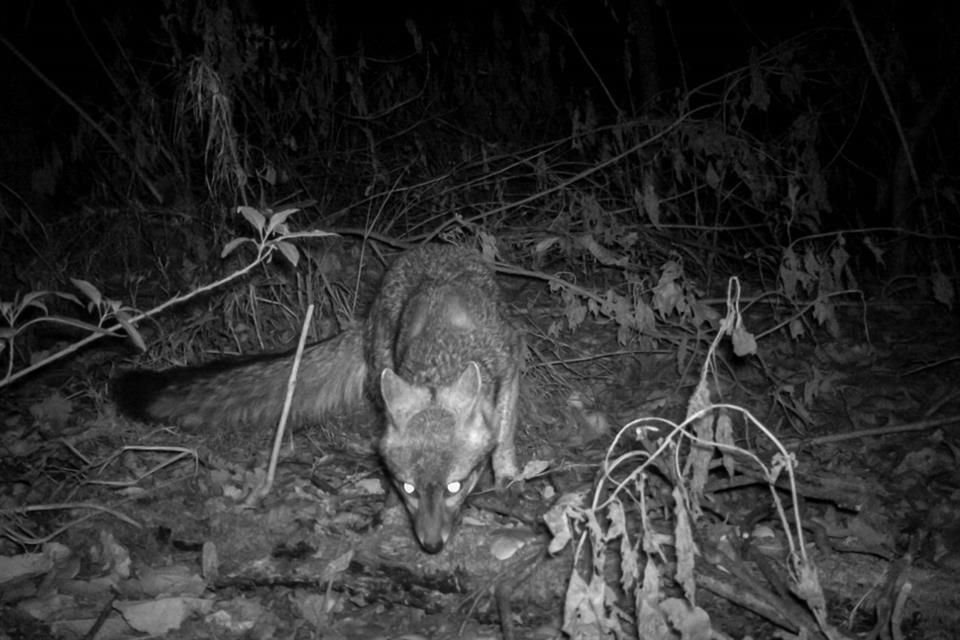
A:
[(332, 376)]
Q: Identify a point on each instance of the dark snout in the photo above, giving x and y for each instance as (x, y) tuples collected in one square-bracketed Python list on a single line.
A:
[(434, 520)]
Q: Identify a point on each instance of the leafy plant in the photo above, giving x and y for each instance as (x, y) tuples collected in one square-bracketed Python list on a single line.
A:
[(273, 235), (621, 522)]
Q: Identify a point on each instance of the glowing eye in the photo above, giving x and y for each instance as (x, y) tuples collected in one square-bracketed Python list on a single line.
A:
[(408, 488), (454, 487)]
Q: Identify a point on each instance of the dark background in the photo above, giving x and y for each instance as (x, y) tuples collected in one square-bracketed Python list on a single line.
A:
[(751, 124)]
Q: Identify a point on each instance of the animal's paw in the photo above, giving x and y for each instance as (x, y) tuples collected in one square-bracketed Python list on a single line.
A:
[(505, 467)]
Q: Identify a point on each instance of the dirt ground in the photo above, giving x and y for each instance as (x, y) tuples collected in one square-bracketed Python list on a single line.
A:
[(139, 529)]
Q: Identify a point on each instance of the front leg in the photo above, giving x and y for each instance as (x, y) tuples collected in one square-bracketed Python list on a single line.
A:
[(505, 423)]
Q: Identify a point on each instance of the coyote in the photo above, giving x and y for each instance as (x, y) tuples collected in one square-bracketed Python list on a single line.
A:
[(435, 354)]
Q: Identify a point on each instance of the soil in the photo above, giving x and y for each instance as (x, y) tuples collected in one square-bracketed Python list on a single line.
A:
[(145, 528)]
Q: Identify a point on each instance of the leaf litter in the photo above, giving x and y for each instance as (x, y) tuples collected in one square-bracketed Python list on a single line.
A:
[(130, 530)]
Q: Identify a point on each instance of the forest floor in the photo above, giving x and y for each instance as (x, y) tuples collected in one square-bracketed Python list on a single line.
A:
[(151, 529)]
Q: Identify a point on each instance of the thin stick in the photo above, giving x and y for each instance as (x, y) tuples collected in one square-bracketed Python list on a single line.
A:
[(887, 100), (287, 403), (919, 425)]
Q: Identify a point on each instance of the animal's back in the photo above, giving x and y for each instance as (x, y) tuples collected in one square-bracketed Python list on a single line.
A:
[(448, 364), (439, 307), (406, 330)]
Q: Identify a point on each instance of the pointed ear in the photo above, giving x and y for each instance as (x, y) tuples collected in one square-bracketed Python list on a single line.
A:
[(462, 395), (401, 399)]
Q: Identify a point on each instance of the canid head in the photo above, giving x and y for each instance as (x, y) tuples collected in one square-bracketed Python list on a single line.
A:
[(435, 445)]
